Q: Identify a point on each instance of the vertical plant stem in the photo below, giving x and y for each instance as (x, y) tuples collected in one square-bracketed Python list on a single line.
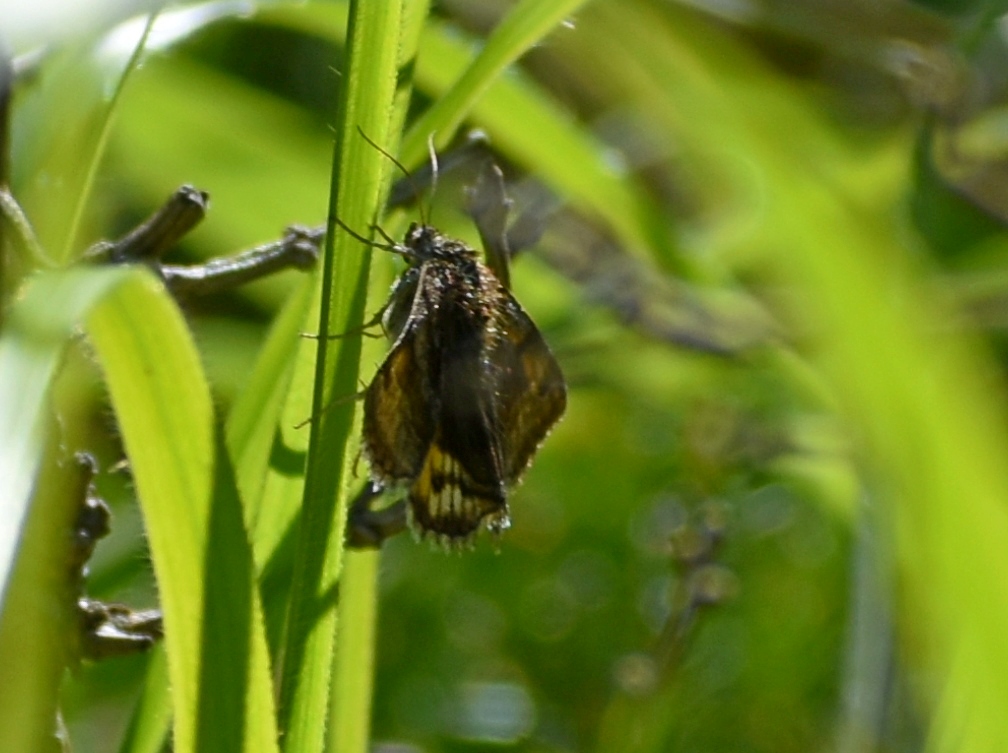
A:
[(353, 681), (353, 668), (359, 181)]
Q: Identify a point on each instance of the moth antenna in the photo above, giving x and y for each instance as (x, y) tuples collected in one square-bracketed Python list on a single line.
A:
[(432, 155), (381, 231), (391, 246), (424, 216), (390, 158), (380, 150)]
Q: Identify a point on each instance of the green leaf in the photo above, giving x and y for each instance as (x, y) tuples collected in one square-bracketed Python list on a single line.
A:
[(194, 524)]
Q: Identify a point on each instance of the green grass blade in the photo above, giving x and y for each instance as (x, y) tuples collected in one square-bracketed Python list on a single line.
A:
[(151, 721), (166, 419), (350, 698), (351, 712), (526, 25), (99, 148), (162, 402), (367, 97), (254, 425), (528, 127)]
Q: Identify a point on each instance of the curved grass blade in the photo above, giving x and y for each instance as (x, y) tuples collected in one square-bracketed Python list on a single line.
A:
[(99, 148), (527, 126), (526, 25), (221, 696)]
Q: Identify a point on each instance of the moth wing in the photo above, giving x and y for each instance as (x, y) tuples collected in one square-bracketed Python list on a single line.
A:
[(399, 420), (531, 392)]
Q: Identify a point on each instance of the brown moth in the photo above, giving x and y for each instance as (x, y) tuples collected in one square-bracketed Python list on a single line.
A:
[(465, 396)]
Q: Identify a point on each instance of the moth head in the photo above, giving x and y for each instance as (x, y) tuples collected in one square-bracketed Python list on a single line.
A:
[(425, 242)]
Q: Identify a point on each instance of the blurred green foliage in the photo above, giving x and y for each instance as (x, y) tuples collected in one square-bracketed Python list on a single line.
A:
[(775, 276)]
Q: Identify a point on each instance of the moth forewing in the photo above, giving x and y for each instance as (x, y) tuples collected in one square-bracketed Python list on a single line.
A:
[(398, 423)]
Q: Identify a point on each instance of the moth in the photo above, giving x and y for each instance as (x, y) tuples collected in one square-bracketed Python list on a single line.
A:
[(465, 396)]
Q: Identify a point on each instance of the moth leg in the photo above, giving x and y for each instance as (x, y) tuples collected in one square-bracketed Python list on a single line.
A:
[(352, 397), (374, 321), (368, 528), (381, 231)]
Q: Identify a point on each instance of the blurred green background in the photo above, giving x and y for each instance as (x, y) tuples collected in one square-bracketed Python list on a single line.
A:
[(776, 275)]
